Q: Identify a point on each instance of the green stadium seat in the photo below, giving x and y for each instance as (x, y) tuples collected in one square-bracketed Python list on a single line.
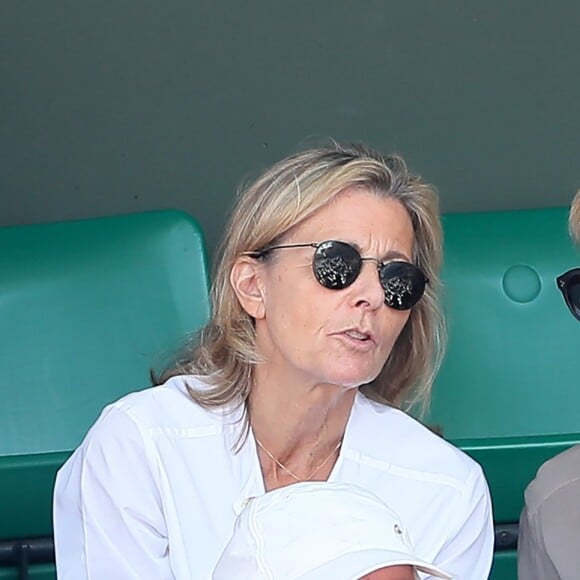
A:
[(86, 309), (508, 390)]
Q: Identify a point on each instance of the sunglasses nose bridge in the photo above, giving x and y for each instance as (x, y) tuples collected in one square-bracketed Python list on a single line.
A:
[(377, 263), (371, 290), (371, 259)]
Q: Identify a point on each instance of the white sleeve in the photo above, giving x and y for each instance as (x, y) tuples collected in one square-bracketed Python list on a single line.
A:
[(468, 553), (108, 514)]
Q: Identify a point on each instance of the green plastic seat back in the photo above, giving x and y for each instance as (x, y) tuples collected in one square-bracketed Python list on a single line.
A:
[(508, 389), (86, 309)]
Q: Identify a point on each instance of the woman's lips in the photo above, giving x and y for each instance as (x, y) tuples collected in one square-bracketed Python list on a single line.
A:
[(357, 338)]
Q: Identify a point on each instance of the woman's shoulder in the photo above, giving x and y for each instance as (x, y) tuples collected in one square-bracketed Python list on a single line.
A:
[(130, 431), (166, 407), (394, 437)]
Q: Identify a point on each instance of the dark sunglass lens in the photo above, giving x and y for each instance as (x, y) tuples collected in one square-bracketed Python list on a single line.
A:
[(336, 264), (573, 295), (403, 283)]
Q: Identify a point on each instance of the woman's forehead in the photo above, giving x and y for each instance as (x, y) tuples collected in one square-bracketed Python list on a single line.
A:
[(361, 218)]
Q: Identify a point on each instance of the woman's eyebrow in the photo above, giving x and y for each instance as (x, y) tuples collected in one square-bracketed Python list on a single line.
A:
[(393, 254)]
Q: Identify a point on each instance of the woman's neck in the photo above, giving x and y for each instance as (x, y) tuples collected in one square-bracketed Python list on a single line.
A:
[(298, 428)]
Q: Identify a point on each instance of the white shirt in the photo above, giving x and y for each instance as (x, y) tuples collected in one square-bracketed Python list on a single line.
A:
[(155, 487)]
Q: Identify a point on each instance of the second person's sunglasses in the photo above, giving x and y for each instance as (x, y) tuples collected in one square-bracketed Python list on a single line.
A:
[(337, 265), (569, 284)]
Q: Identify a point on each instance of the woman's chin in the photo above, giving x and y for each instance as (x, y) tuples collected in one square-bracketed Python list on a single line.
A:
[(353, 379)]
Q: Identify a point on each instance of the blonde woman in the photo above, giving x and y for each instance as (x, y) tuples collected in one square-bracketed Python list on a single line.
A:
[(326, 326)]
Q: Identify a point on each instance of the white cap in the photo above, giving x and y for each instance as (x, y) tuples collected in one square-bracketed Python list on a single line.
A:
[(317, 531)]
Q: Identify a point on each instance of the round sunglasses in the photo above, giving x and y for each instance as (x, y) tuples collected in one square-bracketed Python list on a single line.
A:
[(569, 284), (336, 265)]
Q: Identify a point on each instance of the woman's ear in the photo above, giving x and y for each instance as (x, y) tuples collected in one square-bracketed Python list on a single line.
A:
[(246, 280)]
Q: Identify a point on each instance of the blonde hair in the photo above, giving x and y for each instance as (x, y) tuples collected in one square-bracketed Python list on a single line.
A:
[(282, 197), (574, 218)]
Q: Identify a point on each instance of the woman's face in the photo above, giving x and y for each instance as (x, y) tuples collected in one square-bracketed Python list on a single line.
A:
[(316, 335)]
